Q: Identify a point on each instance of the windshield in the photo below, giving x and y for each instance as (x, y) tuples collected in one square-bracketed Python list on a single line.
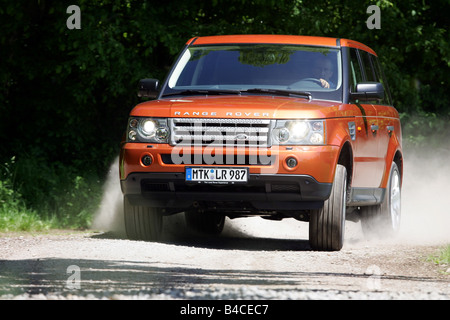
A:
[(241, 68)]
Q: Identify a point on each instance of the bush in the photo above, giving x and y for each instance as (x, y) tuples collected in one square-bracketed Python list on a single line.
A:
[(426, 131), (61, 192), (14, 214), (36, 195)]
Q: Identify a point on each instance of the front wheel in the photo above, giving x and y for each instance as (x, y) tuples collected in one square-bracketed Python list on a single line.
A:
[(327, 225), (141, 222)]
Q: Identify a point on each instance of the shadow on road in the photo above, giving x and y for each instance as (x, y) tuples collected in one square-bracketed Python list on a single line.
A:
[(223, 242), (233, 237), (107, 278)]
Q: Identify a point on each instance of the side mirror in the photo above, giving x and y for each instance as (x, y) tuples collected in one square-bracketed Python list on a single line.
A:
[(148, 88), (366, 91)]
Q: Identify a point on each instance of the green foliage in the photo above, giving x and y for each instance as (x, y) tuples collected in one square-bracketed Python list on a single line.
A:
[(425, 131), (9, 200), (65, 94), (14, 215), (58, 197), (58, 192), (442, 258)]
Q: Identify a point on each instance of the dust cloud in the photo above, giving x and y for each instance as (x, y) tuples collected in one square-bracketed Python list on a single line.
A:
[(426, 197), (109, 217), (425, 207)]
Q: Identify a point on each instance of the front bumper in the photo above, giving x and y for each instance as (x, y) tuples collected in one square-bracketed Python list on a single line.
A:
[(272, 186), (261, 192)]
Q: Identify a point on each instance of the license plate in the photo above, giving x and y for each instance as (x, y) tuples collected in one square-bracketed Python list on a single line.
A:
[(217, 175)]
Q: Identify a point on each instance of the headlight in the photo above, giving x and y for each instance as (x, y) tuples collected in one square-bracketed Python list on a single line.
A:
[(149, 130), (299, 132), (148, 127)]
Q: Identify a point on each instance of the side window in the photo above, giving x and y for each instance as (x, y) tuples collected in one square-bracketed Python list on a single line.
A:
[(355, 70), (381, 78), (368, 69)]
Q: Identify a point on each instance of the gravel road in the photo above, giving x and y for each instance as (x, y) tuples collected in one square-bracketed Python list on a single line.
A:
[(246, 262), (252, 259)]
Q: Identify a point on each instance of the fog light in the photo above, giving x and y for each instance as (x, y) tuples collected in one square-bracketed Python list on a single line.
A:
[(291, 162), (146, 160)]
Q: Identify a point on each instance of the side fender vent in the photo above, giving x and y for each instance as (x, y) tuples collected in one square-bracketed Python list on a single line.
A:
[(352, 130)]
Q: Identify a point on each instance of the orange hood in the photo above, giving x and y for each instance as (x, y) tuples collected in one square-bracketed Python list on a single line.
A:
[(251, 107)]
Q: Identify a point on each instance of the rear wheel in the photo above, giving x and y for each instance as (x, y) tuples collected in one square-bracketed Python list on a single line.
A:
[(141, 222), (205, 222), (384, 219), (327, 225)]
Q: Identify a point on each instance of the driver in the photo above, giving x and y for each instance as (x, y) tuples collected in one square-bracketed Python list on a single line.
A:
[(323, 71)]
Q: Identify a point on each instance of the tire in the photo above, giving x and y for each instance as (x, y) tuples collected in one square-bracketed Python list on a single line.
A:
[(383, 220), (208, 222), (327, 225), (142, 223)]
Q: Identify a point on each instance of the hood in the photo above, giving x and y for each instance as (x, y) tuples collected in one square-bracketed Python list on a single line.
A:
[(251, 106)]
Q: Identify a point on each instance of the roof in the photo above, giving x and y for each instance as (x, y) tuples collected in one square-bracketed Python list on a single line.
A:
[(279, 39)]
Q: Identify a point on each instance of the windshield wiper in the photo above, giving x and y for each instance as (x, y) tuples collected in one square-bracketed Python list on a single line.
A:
[(203, 92), (287, 93), (281, 92)]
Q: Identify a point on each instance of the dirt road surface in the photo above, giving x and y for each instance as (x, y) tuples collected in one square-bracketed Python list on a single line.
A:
[(252, 259), (246, 262)]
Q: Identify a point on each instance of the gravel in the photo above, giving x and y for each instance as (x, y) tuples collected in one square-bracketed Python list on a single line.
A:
[(250, 261)]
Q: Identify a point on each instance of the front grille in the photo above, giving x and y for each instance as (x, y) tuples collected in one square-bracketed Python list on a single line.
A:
[(152, 186), (286, 188), (149, 186), (208, 188), (220, 132)]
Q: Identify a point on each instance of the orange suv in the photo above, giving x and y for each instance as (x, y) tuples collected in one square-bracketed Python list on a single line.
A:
[(265, 125)]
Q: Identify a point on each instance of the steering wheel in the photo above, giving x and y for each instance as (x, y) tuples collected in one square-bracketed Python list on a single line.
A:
[(316, 81)]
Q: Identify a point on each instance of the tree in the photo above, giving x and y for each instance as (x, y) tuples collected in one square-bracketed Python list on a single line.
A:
[(65, 93)]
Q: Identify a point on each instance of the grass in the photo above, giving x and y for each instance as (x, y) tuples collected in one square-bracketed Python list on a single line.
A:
[(442, 258), (17, 217), (40, 196), (24, 220)]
